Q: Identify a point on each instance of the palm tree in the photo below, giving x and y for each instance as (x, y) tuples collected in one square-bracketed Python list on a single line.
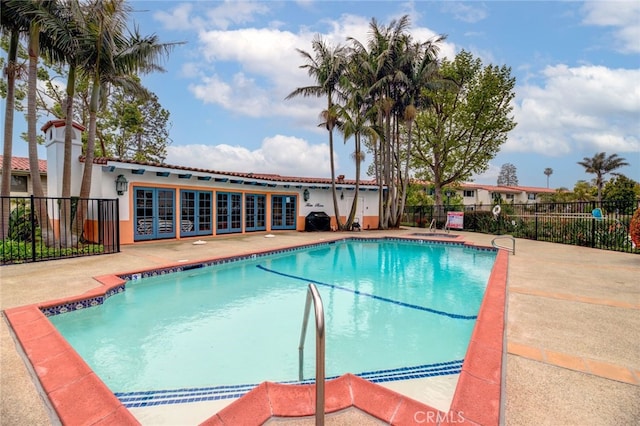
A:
[(111, 57), (601, 165), (381, 59), (356, 122), (420, 72), (395, 71), (548, 172), (13, 23), (326, 67), (43, 33), (62, 26), (71, 34)]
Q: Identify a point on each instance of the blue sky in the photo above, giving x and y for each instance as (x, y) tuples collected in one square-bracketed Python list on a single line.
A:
[(577, 69)]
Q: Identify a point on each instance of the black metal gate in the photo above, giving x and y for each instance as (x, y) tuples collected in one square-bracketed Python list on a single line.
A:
[(46, 228)]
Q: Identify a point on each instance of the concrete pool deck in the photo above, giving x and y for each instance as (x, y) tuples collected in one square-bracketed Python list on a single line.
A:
[(572, 322)]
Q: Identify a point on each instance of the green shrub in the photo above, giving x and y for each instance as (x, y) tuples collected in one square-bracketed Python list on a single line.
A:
[(16, 251), (20, 228)]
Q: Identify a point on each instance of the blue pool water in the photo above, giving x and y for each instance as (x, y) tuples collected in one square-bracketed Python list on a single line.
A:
[(390, 306)]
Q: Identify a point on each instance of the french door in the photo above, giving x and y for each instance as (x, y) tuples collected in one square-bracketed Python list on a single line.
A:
[(228, 212), (283, 211), (154, 215), (255, 211), (196, 213)]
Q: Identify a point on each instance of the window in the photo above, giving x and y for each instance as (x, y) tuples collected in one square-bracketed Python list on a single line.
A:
[(18, 183), (509, 196), (469, 193), (531, 196)]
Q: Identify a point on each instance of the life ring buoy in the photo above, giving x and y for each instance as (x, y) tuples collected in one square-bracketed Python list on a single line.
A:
[(496, 210)]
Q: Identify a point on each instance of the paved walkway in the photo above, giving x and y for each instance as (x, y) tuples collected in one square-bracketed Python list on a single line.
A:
[(573, 324)]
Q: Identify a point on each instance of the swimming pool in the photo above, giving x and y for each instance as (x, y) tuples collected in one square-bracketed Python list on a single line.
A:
[(419, 325)]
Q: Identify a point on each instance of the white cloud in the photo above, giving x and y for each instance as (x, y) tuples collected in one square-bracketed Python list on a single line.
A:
[(235, 12), (241, 95), (582, 108), (290, 156), (623, 16), (466, 12), (179, 18), (223, 15), (213, 90), (489, 177), (267, 67)]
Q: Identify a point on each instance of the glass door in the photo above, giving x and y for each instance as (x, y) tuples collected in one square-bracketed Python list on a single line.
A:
[(255, 212), (228, 212), (283, 211), (154, 214)]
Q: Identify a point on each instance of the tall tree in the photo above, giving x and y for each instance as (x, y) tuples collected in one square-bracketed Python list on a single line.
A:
[(63, 27), (396, 69), (135, 129), (508, 175), (548, 172), (127, 126), (466, 124), (601, 165), (355, 123), (12, 23), (326, 67), (386, 48), (43, 32), (111, 56)]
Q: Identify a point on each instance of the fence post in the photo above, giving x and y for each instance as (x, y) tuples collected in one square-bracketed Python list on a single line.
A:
[(593, 226), (33, 228), (117, 226), (535, 214)]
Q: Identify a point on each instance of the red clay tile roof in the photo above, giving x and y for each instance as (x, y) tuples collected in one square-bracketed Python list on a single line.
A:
[(497, 188), (21, 164), (60, 123), (263, 176)]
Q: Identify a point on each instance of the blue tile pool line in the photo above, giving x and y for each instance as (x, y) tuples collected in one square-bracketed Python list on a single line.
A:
[(98, 300), (181, 396), (373, 296), (214, 393)]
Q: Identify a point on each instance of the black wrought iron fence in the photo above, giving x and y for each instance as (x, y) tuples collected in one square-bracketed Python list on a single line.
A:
[(46, 228), (603, 225)]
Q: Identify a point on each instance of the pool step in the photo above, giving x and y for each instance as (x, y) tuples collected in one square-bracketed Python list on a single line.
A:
[(275, 400), (214, 393)]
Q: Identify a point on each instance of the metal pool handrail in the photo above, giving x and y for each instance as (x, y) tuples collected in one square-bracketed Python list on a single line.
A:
[(511, 249), (312, 294)]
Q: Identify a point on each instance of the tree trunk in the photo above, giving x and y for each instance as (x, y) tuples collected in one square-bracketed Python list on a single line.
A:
[(405, 182), (67, 237), (85, 187), (48, 236), (330, 124), (354, 204), (387, 171), (5, 189)]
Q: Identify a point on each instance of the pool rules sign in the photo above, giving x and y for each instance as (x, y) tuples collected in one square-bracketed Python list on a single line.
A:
[(455, 220)]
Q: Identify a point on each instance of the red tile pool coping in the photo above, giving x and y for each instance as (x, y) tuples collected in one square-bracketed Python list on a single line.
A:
[(78, 396)]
